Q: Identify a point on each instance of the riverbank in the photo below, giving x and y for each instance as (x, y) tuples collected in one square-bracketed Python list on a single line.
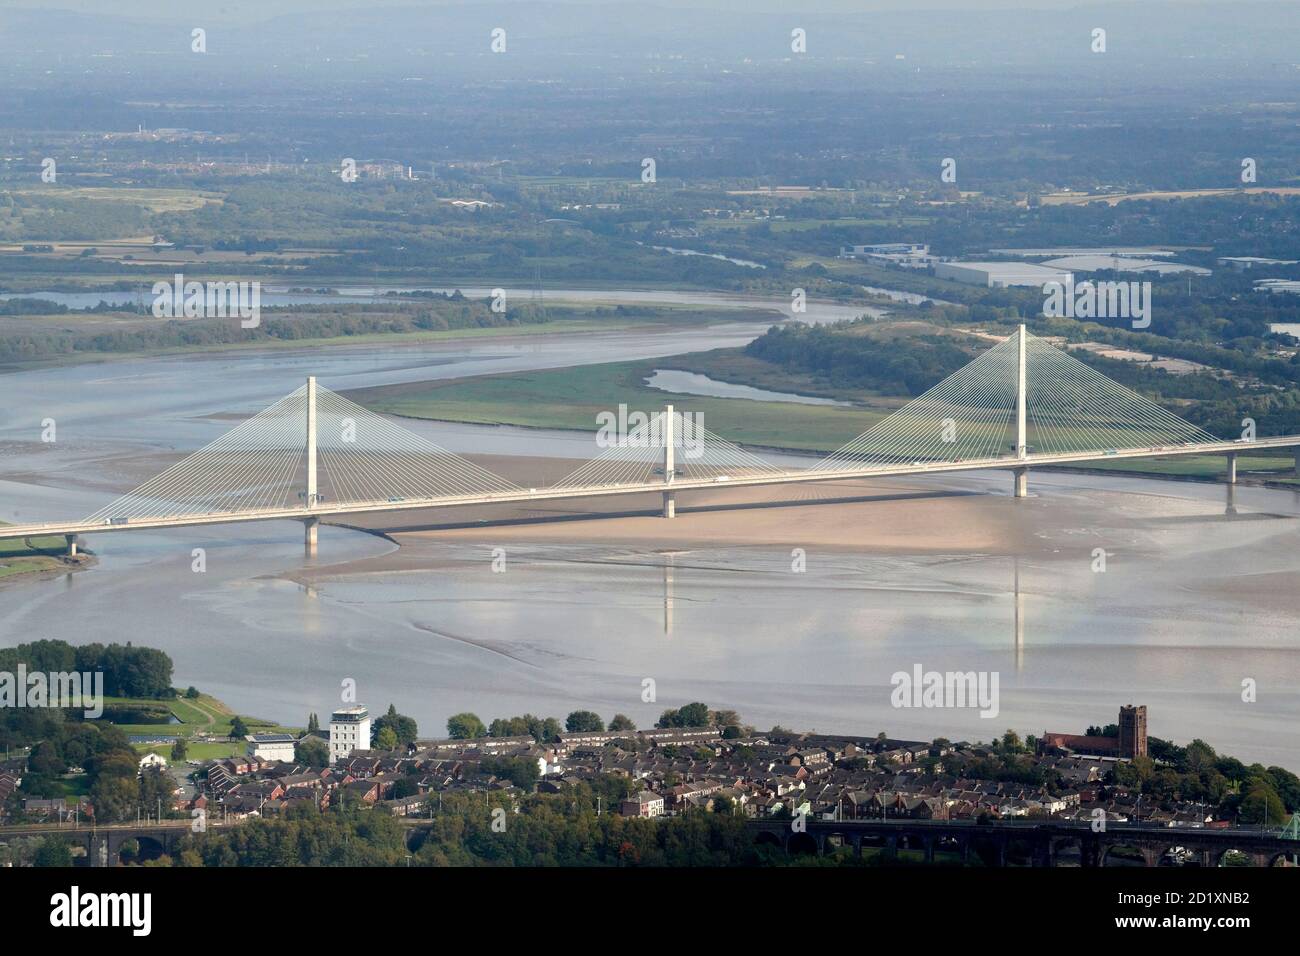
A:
[(505, 334), (37, 559)]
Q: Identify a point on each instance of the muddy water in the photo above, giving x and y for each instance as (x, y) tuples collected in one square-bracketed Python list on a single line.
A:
[(1193, 600)]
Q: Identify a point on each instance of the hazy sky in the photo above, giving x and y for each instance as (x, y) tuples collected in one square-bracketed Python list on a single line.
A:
[(258, 9)]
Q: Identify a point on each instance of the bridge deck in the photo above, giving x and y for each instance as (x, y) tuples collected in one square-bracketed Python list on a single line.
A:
[(328, 510)]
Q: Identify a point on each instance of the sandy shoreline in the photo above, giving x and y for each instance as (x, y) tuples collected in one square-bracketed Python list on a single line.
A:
[(885, 516)]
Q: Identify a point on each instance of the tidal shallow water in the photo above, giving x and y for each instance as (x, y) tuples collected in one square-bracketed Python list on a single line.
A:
[(1193, 601)]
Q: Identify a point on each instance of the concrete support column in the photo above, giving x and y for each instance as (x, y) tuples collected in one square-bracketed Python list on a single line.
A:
[(1295, 470), (72, 544), (311, 443), (309, 539), (1022, 394), (1022, 432), (1232, 468), (670, 465)]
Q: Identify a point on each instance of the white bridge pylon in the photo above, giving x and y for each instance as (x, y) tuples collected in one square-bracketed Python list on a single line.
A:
[(1021, 404), (1022, 398), (311, 450)]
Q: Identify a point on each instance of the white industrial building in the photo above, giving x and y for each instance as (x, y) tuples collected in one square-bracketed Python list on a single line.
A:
[(349, 731), (270, 747), (999, 275), (1100, 263), (1277, 285), (1242, 263), (1121, 252), (906, 255)]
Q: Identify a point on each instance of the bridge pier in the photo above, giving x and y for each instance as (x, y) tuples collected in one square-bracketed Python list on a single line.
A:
[(1044, 853), (670, 466), (309, 540), (1022, 413), (72, 544), (1232, 468), (1022, 483)]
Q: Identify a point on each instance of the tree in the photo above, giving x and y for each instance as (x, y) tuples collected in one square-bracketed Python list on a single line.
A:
[(691, 715), (725, 718), (583, 721), (313, 723), (465, 726), (192, 692), (238, 728), (521, 771), (53, 851), (403, 727), (1262, 806), (114, 798), (1199, 755), (386, 739), (155, 790), (540, 729), (313, 752), (179, 749), (694, 715), (622, 722)]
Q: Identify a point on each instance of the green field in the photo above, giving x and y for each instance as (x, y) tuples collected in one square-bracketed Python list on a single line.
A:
[(203, 715), (570, 398), (19, 556)]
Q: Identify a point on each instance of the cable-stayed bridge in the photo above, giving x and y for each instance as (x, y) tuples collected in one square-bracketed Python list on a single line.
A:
[(314, 454)]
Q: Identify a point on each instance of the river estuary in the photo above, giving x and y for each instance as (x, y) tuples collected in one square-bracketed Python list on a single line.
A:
[(1200, 596)]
